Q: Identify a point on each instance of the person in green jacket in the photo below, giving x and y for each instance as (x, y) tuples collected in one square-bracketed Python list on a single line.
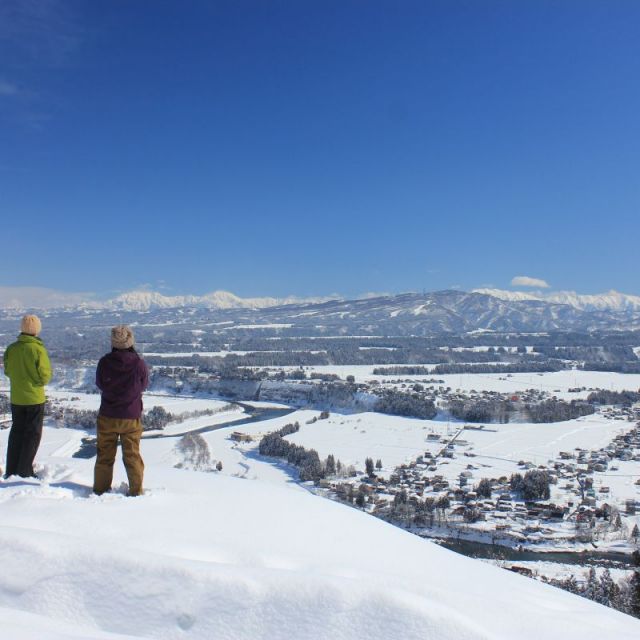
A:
[(26, 363)]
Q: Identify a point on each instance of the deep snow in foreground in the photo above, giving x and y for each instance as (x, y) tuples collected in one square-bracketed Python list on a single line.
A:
[(203, 555)]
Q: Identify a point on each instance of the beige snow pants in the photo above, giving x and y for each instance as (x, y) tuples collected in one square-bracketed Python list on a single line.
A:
[(129, 432)]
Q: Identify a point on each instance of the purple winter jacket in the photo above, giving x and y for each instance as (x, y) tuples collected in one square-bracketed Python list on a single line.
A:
[(122, 376)]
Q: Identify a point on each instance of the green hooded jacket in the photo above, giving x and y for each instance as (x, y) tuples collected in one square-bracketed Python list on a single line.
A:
[(26, 363)]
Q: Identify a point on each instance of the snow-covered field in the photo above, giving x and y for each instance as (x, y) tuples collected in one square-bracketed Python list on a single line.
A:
[(557, 383), (209, 555), (539, 443), (173, 404), (352, 438), (398, 440), (220, 354), (189, 354)]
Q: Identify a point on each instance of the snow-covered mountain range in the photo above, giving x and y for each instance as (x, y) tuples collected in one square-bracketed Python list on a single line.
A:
[(612, 300), (22, 298), (402, 314), (448, 311), (145, 300)]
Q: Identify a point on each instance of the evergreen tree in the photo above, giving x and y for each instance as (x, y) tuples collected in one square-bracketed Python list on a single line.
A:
[(592, 588), (608, 590), (617, 522), (516, 482), (330, 465), (157, 418), (484, 488), (368, 463), (570, 584), (378, 464), (536, 485), (634, 596)]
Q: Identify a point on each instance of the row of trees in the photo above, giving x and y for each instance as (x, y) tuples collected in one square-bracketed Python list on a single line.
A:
[(284, 352), (411, 344), (369, 466), (421, 513), (623, 596), (158, 417), (501, 410), (534, 485), (554, 410), (155, 418), (485, 410), (415, 370), (73, 418), (397, 403), (590, 353), (527, 366), (617, 367), (307, 461), (603, 396)]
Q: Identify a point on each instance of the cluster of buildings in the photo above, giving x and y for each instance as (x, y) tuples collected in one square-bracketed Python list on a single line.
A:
[(578, 509)]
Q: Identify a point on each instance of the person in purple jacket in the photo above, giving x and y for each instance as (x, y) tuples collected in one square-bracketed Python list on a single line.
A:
[(121, 376)]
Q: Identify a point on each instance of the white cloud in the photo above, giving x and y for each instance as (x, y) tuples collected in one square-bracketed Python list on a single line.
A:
[(367, 296), (39, 298), (526, 281)]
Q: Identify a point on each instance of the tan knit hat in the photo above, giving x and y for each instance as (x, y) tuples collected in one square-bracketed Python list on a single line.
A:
[(31, 325), (121, 337)]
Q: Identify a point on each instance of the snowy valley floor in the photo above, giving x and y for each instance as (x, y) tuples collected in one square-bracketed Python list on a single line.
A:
[(207, 555)]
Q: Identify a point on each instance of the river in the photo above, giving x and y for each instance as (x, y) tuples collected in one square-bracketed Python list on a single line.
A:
[(252, 414), (611, 559)]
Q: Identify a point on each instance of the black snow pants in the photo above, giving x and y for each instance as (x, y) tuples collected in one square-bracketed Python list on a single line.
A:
[(24, 439)]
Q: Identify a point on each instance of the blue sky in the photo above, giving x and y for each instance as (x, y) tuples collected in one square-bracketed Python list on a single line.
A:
[(311, 147)]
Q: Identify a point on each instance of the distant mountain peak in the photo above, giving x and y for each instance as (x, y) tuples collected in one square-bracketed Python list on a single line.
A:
[(24, 298), (609, 301), (147, 300)]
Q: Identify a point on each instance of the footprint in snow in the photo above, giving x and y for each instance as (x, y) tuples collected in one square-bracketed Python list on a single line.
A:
[(53, 473), (186, 621)]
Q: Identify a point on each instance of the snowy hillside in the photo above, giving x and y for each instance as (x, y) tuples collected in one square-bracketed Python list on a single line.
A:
[(208, 555)]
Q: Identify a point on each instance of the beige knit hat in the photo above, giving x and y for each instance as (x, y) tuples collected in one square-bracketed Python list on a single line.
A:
[(31, 325), (121, 337)]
